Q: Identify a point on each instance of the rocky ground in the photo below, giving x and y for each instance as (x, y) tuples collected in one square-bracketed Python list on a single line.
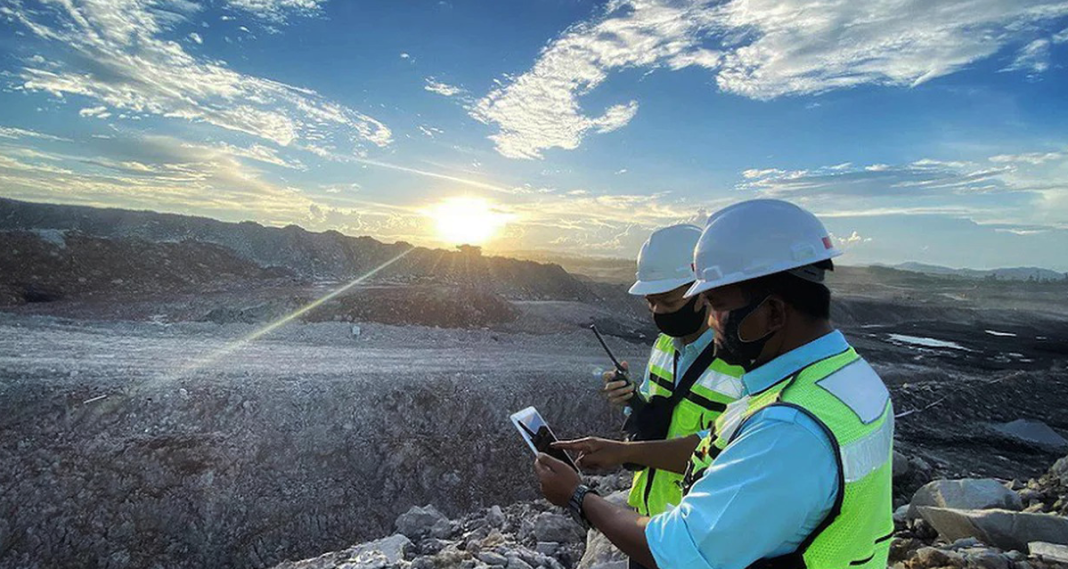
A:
[(180, 392), (958, 524)]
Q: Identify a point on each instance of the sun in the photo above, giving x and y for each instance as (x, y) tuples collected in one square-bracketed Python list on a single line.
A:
[(467, 220)]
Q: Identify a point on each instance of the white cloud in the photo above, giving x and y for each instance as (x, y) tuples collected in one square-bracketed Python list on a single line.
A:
[(98, 112), (154, 172), (443, 88), (17, 133), (1034, 158), (430, 131), (277, 11), (760, 49), (196, 38), (1033, 58), (1061, 36), (119, 58), (850, 241)]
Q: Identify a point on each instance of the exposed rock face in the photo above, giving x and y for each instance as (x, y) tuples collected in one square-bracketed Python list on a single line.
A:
[(1001, 528), (1033, 432), (967, 494)]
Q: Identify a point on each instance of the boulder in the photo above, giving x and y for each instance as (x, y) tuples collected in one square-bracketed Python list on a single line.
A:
[(1059, 471), (966, 494), (495, 517), (550, 526), (1049, 551), (378, 554), (492, 559), (547, 548), (1000, 528), (515, 562), (901, 465), (1034, 433), (934, 557), (418, 522)]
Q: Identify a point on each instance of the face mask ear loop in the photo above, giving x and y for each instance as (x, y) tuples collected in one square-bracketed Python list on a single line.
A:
[(742, 323)]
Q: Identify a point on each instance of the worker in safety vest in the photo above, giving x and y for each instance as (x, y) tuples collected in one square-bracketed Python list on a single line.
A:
[(796, 473), (665, 273)]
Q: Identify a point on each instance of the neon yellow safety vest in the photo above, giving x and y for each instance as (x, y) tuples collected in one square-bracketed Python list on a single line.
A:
[(654, 490), (846, 397)]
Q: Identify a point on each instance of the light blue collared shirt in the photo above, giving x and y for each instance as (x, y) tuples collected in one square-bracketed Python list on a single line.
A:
[(766, 492)]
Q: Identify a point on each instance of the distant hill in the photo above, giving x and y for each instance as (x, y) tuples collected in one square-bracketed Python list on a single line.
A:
[(329, 255), (601, 269), (1007, 274)]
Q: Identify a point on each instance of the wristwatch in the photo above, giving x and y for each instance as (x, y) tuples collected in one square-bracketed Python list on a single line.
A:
[(574, 505)]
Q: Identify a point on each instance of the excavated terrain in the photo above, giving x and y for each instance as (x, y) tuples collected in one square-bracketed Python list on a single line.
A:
[(190, 413)]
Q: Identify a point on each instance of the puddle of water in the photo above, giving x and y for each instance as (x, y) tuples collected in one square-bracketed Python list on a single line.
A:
[(996, 333), (926, 342)]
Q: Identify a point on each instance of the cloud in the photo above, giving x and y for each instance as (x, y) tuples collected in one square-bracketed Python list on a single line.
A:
[(442, 88), (277, 11), (100, 112), (16, 133), (1034, 158), (117, 54), (850, 241), (195, 37), (1033, 58), (917, 178), (761, 49), (430, 131), (153, 172), (1026, 188)]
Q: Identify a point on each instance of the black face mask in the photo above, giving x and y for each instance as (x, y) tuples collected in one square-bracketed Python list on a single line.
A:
[(731, 348), (682, 322)]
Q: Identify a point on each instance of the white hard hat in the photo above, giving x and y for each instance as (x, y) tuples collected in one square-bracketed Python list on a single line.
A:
[(755, 238), (665, 261)]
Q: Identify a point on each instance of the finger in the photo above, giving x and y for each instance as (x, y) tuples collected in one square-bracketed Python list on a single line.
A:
[(623, 364), (549, 463), (577, 444), (615, 385)]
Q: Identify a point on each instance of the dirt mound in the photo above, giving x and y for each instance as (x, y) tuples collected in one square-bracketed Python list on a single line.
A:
[(49, 266), (326, 255)]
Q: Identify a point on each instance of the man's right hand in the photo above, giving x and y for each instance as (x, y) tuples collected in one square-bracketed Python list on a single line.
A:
[(617, 391), (595, 453)]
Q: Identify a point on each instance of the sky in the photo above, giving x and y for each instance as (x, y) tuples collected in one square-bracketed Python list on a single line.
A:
[(918, 130)]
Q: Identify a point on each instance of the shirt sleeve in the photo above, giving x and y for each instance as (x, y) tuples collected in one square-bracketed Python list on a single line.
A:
[(761, 498)]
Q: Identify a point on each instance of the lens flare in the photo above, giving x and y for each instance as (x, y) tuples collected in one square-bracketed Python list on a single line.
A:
[(240, 343)]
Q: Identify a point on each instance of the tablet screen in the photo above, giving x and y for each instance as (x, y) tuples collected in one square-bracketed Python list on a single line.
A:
[(538, 435)]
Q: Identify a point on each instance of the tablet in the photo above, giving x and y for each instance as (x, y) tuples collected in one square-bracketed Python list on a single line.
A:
[(539, 437)]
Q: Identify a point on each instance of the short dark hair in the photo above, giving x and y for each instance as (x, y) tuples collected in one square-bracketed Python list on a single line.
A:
[(809, 298)]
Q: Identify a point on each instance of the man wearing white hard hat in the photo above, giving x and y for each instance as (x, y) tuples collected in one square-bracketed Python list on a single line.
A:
[(796, 473), (684, 388)]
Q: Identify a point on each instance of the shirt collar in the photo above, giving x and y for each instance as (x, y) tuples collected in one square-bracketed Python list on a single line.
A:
[(772, 372), (698, 345)]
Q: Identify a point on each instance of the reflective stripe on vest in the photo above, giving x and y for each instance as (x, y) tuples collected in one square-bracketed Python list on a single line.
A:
[(846, 397), (654, 490)]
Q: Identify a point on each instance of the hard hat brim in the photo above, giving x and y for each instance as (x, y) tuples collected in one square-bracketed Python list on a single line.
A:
[(701, 285), (645, 288)]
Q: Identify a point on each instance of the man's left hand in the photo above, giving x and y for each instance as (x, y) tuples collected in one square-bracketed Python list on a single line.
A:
[(558, 480)]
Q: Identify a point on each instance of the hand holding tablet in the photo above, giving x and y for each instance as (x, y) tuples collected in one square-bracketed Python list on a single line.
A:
[(539, 437)]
